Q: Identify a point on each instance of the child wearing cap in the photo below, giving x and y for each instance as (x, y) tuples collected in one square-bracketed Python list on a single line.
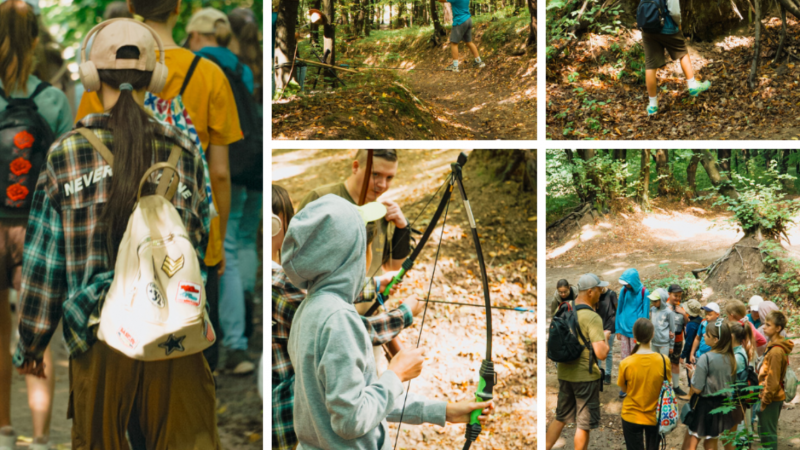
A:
[(699, 346), (752, 305), (663, 322), (693, 309), (681, 318), (72, 243)]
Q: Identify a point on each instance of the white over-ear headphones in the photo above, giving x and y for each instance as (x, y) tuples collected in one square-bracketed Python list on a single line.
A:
[(91, 78), (277, 226)]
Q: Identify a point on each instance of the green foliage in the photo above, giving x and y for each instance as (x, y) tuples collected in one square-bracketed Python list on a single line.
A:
[(563, 14), (692, 287), (630, 62), (70, 21), (784, 270), (760, 205)]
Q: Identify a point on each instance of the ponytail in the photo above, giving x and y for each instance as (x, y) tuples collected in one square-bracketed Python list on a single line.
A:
[(222, 33), (154, 10), (19, 29), (132, 147), (643, 331)]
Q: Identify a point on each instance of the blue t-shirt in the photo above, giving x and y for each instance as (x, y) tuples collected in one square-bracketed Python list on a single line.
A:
[(756, 323), (460, 11), (228, 59), (703, 347)]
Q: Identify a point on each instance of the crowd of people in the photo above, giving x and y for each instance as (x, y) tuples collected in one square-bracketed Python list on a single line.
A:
[(78, 156), (734, 355), (328, 388)]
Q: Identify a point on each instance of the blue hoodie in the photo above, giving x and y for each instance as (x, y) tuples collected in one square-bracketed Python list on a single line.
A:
[(632, 305)]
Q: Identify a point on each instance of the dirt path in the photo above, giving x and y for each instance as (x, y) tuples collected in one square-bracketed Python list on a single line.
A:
[(679, 240), (495, 102)]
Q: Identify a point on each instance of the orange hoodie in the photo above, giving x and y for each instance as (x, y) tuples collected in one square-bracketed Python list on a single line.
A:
[(773, 371)]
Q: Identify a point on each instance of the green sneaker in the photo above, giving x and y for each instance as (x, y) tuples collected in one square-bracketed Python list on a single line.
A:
[(701, 87), (452, 68), (652, 110)]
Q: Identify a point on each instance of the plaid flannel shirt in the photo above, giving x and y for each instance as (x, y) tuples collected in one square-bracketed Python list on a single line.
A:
[(286, 298), (65, 269)]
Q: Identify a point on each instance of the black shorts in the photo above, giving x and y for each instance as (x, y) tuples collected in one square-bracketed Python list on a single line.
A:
[(675, 357)]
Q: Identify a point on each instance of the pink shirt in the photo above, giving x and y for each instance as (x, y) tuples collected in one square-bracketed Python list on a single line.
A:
[(760, 339)]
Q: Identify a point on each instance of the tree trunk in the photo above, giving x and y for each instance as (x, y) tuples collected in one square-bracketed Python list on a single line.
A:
[(723, 182), (751, 80), (724, 158), (285, 42), (438, 29), (576, 178), (591, 175), (691, 175), (316, 4), (664, 173), (783, 168), (643, 196), (531, 42)]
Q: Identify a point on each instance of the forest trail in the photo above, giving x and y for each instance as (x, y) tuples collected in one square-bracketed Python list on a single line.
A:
[(589, 98), (495, 102), (677, 240), (410, 96)]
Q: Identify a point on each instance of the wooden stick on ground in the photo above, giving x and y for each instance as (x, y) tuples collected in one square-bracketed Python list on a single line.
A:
[(314, 63)]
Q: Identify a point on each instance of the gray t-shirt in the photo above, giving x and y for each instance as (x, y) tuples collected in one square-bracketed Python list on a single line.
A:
[(713, 373)]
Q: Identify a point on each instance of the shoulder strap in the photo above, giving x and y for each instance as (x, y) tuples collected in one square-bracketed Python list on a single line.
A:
[(664, 362), (168, 184), (41, 87), (3, 95), (97, 144), (189, 74)]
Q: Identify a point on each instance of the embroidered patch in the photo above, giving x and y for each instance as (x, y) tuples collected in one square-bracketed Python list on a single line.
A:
[(126, 338), (208, 331), (172, 344), (154, 294), (172, 266), (189, 293)]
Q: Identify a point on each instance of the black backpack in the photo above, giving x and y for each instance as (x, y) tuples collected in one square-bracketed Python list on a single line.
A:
[(651, 15), (247, 155), (25, 138), (745, 392), (565, 336)]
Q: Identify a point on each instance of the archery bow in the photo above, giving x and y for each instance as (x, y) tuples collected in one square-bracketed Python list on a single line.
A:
[(487, 375)]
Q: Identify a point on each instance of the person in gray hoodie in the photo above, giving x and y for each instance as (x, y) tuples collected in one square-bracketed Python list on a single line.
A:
[(664, 322), (340, 402)]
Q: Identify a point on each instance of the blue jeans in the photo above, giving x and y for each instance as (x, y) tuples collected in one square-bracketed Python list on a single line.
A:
[(240, 265), (610, 357)]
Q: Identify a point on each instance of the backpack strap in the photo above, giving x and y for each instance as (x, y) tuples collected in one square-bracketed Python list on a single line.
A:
[(157, 166), (39, 88), (168, 185), (97, 144), (189, 74), (592, 358)]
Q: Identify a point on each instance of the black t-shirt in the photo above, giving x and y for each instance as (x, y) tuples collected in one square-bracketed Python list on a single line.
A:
[(607, 309)]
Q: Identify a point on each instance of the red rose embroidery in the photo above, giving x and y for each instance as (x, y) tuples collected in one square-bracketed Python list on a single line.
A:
[(20, 166), (17, 192), (23, 140)]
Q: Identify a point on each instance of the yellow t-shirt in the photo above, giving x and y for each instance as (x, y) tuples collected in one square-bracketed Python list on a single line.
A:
[(209, 101), (642, 376)]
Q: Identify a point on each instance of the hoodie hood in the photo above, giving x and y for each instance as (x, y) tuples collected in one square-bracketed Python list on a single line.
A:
[(631, 276), (632, 305), (663, 320), (664, 297), (325, 248), (785, 344), (765, 308)]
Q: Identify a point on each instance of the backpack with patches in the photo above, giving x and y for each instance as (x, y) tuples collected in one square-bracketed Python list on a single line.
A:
[(155, 308), (173, 112), (565, 336), (651, 15), (247, 155), (25, 138)]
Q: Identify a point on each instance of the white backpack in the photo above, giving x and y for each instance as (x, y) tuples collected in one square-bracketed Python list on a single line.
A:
[(155, 307)]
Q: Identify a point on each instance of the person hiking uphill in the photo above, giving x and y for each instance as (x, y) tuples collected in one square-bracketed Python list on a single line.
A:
[(668, 37), (633, 304), (462, 31)]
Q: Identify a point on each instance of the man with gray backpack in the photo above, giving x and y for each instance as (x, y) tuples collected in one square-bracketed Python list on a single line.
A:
[(660, 23), (576, 341)]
